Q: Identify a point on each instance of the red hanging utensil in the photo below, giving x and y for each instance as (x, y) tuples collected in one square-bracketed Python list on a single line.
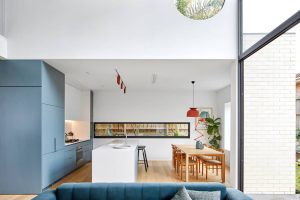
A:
[(118, 79)]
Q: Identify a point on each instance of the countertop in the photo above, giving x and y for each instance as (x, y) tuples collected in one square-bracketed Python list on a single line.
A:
[(109, 146), (67, 144)]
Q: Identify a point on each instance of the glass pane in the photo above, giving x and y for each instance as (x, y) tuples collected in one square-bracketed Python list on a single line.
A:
[(262, 16), (270, 116), (146, 129)]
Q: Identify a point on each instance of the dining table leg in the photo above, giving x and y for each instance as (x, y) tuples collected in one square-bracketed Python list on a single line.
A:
[(223, 168), (186, 167)]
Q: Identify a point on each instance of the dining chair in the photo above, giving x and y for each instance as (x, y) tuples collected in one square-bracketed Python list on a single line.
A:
[(173, 155), (181, 163), (214, 163)]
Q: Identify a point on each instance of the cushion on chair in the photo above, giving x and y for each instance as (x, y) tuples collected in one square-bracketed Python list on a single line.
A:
[(205, 157), (216, 162)]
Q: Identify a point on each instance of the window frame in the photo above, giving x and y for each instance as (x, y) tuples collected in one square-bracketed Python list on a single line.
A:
[(242, 56)]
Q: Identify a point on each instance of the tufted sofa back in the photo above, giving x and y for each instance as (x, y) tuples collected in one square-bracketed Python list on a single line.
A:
[(130, 191)]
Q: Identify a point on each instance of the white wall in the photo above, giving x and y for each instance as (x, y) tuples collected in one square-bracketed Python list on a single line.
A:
[(3, 47), (223, 96), (116, 29), (3, 40), (77, 112), (234, 125), (160, 106)]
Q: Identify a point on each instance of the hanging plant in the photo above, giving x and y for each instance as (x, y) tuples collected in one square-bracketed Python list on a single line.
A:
[(213, 130)]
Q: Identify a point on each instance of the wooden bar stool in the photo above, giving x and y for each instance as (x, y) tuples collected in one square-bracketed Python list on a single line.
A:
[(144, 161)]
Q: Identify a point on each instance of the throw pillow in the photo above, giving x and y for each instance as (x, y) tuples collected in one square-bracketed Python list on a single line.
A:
[(204, 195), (182, 194)]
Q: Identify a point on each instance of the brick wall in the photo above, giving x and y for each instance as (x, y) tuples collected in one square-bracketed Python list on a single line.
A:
[(270, 117)]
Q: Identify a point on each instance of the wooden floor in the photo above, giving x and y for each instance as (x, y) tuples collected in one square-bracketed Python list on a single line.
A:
[(162, 171), (158, 171)]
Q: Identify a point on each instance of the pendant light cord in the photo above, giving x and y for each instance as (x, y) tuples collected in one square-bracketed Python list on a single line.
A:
[(193, 82)]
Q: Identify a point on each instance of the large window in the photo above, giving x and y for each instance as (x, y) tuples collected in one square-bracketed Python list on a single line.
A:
[(269, 117), (142, 129), (267, 96), (262, 16)]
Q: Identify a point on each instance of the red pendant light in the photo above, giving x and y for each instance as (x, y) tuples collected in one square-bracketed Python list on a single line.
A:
[(122, 84), (193, 112)]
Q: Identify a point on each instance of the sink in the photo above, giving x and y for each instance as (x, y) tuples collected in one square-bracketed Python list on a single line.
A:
[(119, 145)]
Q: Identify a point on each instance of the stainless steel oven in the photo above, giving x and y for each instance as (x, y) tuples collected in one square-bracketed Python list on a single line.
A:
[(79, 156)]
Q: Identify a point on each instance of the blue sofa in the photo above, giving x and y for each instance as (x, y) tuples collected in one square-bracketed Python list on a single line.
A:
[(133, 191)]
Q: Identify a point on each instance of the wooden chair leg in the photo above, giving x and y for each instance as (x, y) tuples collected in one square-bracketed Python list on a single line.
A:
[(197, 170), (206, 165), (193, 171), (217, 169), (202, 168), (181, 172)]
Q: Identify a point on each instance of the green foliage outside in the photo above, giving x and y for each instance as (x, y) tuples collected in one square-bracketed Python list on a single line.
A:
[(297, 178), (213, 130)]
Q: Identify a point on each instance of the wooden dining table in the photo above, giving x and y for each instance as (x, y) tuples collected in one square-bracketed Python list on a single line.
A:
[(190, 150)]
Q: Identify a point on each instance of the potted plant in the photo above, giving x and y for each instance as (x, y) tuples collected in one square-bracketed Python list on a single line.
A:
[(213, 130)]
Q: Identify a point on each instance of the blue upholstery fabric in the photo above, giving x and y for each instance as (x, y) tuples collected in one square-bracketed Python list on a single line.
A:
[(134, 191), (48, 195), (236, 194)]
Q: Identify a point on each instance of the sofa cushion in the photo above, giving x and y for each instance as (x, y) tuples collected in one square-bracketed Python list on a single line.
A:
[(131, 191), (182, 194), (204, 195)]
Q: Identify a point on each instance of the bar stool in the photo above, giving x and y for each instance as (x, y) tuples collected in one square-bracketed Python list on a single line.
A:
[(144, 161)]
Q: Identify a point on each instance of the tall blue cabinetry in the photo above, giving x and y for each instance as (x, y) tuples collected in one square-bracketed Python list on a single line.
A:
[(32, 126)]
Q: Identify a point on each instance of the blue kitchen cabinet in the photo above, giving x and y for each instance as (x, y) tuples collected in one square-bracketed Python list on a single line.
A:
[(52, 167), (87, 151), (69, 160), (20, 73), (53, 85), (52, 128), (20, 136), (32, 126), (48, 169), (60, 164), (87, 155)]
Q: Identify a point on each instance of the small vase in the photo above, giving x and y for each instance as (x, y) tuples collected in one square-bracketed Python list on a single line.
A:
[(199, 145)]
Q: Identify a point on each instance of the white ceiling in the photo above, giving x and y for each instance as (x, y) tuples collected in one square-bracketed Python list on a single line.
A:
[(137, 74)]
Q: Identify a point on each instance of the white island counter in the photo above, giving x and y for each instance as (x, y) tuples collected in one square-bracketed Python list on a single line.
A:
[(115, 163)]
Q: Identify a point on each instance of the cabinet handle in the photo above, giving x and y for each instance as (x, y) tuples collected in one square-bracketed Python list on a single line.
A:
[(55, 144)]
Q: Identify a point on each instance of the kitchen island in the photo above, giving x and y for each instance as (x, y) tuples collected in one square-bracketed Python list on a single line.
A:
[(115, 162)]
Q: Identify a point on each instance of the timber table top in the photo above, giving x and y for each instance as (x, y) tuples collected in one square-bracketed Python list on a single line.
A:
[(191, 150)]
